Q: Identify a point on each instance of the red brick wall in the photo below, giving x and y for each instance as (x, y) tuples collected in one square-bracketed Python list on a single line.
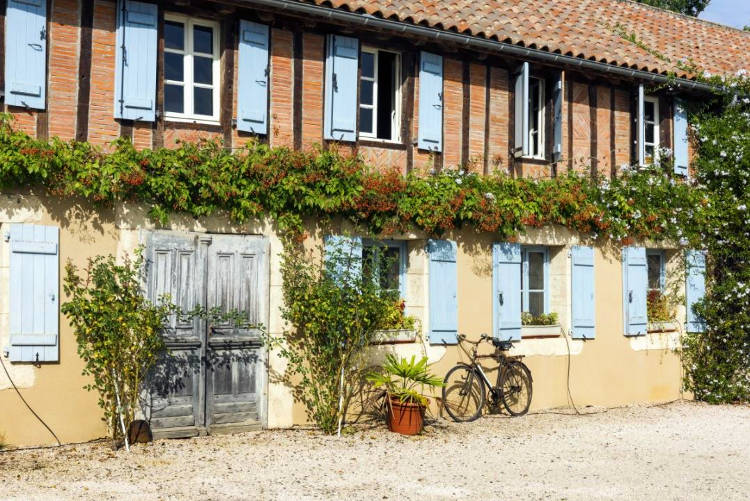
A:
[(62, 84), (490, 124), (453, 98), (282, 79)]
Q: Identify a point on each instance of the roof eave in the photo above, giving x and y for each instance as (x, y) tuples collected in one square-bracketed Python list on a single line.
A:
[(476, 43)]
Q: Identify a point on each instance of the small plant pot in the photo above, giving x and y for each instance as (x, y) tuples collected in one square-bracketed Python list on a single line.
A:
[(405, 418)]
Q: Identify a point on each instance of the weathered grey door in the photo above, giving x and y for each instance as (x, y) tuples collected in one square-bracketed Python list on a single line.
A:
[(236, 282), (211, 377)]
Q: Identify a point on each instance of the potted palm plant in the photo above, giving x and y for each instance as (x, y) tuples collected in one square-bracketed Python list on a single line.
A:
[(404, 382)]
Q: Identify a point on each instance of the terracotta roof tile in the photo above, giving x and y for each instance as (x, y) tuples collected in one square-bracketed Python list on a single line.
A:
[(589, 29)]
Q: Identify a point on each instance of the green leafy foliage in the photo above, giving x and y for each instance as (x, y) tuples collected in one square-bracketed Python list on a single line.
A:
[(333, 316), (118, 332), (689, 7), (395, 317), (718, 360), (405, 379), (544, 319)]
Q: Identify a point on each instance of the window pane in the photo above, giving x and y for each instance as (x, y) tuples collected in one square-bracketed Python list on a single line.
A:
[(368, 65), (536, 270), (203, 39), (649, 133), (389, 272), (174, 35), (173, 66), (365, 120), (649, 111), (174, 98), (536, 303), (203, 70), (365, 94), (649, 154), (203, 102), (654, 271)]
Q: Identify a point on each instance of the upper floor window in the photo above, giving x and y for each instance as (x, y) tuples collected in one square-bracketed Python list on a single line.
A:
[(651, 129), (191, 69), (536, 118), (379, 91)]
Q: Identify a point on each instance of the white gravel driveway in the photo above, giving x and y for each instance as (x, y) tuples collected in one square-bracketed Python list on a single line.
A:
[(677, 451)]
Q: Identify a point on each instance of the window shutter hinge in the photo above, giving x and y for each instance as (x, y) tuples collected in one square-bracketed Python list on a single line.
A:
[(6, 236)]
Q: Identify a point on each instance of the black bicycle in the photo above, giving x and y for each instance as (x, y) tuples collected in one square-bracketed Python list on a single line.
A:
[(466, 385)]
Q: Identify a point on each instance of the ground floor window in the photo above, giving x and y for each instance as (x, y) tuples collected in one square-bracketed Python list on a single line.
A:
[(385, 262), (534, 284), (656, 300)]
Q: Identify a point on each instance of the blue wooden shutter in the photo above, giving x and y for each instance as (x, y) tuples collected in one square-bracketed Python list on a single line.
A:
[(635, 285), (443, 291), (342, 253), (430, 127), (641, 124), (557, 102), (342, 67), (695, 288), (26, 53), (135, 61), (680, 139), (252, 78), (506, 272), (34, 293), (521, 116), (582, 287)]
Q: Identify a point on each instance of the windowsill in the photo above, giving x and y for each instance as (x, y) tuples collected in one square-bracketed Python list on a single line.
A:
[(656, 327), (187, 120), (540, 331), (396, 336), (381, 143)]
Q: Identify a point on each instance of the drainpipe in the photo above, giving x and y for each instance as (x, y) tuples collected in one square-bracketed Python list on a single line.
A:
[(471, 42)]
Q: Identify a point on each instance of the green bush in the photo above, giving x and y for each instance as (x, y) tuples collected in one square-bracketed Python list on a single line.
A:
[(118, 332), (333, 315)]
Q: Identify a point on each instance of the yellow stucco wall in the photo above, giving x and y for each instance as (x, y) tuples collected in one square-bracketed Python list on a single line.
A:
[(610, 370)]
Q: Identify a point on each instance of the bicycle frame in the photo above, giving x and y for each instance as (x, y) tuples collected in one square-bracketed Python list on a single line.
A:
[(496, 390)]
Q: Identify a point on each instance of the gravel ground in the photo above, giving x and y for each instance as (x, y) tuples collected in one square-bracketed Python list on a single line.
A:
[(678, 451)]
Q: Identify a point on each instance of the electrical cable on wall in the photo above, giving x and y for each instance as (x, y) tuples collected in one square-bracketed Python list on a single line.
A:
[(26, 403), (570, 395)]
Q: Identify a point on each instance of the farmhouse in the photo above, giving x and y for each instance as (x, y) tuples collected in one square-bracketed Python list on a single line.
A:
[(531, 89)]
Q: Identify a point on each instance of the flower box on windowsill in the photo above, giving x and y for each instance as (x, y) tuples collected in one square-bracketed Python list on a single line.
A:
[(541, 330), (656, 327), (395, 336)]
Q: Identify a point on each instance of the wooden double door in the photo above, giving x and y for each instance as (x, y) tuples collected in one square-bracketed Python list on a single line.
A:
[(212, 377)]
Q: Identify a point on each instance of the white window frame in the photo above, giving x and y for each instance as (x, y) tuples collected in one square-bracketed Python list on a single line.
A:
[(188, 78), (657, 132), (525, 277), (541, 136), (396, 116)]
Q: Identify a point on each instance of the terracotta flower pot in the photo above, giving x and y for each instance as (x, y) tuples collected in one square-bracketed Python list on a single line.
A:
[(405, 418)]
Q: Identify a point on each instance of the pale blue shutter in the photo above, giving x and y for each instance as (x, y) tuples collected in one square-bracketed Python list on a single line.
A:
[(26, 53), (557, 102), (343, 254), (252, 78), (695, 288), (635, 285), (443, 291), (430, 126), (506, 277), (582, 287), (135, 61), (34, 292), (641, 124), (521, 116), (342, 66), (680, 139)]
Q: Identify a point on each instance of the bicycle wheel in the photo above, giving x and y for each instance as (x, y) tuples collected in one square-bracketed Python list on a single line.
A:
[(463, 394), (516, 388)]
